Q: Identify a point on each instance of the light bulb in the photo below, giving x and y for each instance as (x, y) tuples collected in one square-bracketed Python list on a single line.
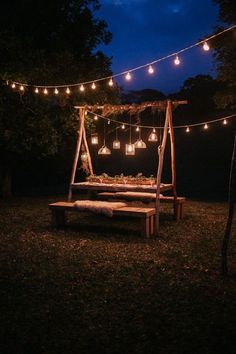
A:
[(56, 91), (123, 126), (128, 76), (177, 61), (36, 90), (45, 91), (225, 122), (13, 85), (206, 46), (206, 126), (150, 69), (81, 88), (111, 83), (187, 130), (95, 117), (109, 122), (137, 129), (84, 156), (22, 88), (68, 91), (93, 86)]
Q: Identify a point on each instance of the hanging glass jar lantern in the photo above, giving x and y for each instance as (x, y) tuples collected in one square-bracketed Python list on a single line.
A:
[(140, 144), (104, 150), (153, 136), (94, 139), (116, 142), (129, 148)]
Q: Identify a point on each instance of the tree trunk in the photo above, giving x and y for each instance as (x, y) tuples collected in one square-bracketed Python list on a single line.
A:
[(5, 183), (228, 230)]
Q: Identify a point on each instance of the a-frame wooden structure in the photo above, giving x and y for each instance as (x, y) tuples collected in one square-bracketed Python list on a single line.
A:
[(168, 130)]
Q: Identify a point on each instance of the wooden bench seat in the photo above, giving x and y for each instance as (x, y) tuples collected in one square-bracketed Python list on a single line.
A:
[(146, 215), (147, 198)]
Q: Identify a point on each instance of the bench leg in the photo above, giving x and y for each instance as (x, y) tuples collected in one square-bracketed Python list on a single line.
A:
[(146, 226), (176, 211), (58, 218)]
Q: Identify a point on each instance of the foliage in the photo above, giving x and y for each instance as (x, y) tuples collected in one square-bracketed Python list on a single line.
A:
[(47, 43), (225, 55), (98, 287)]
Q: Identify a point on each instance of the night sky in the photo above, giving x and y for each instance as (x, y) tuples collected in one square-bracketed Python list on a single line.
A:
[(144, 30)]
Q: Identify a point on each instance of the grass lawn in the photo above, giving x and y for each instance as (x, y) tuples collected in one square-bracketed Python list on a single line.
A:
[(98, 287)]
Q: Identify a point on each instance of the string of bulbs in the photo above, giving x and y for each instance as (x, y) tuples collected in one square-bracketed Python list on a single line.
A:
[(81, 86), (137, 127)]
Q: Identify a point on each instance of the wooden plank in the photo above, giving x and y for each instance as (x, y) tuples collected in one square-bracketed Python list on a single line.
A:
[(119, 187)]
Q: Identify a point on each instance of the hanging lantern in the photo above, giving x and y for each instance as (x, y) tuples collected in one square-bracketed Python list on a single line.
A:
[(104, 150), (94, 139), (129, 149), (153, 136), (140, 144), (84, 157), (116, 145), (116, 142)]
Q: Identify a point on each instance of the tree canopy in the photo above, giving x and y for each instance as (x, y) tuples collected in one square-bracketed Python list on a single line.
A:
[(225, 47)]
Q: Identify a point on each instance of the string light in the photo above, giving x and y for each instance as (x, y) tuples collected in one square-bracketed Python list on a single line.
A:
[(123, 126), (127, 73), (45, 91), (56, 91), (68, 91), (187, 130), (150, 69), (81, 88), (225, 122), (95, 117), (206, 47), (36, 90), (137, 129), (22, 88), (13, 85), (128, 76), (108, 122), (206, 126), (111, 83), (177, 61), (93, 86)]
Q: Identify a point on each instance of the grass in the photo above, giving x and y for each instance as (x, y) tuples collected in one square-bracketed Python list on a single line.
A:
[(98, 287)]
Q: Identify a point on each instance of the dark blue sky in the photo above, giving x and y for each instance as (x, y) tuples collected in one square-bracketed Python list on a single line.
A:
[(144, 30)]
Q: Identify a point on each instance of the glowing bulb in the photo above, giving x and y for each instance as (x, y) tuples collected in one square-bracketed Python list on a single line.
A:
[(116, 144), (206, 46), (177, 61), (45, 91), (123, 126), (128, 76), (94, 139), (84, 156), (225, 122), (36, 90), (68, 91), (22, 88), (129, 149), (13, 85), (206, 126), (93, 86), (150, 69), (187, 130), (109, 122), (137, 129), (111, 83), (82, 88), (56, 91), (95, 117)]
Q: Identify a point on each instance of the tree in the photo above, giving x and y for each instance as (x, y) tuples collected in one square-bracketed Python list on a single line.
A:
[(225, 55), (48, 43)]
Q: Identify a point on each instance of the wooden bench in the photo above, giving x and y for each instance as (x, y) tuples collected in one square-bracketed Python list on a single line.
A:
[(147, 198), (146, 215)]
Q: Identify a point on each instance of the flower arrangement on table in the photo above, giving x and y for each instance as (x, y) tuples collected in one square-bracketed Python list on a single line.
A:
[(139, 179)]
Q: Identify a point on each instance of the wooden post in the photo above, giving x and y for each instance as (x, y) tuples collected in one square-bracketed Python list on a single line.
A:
[(161, 151), (79, 141), (88, 152)]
